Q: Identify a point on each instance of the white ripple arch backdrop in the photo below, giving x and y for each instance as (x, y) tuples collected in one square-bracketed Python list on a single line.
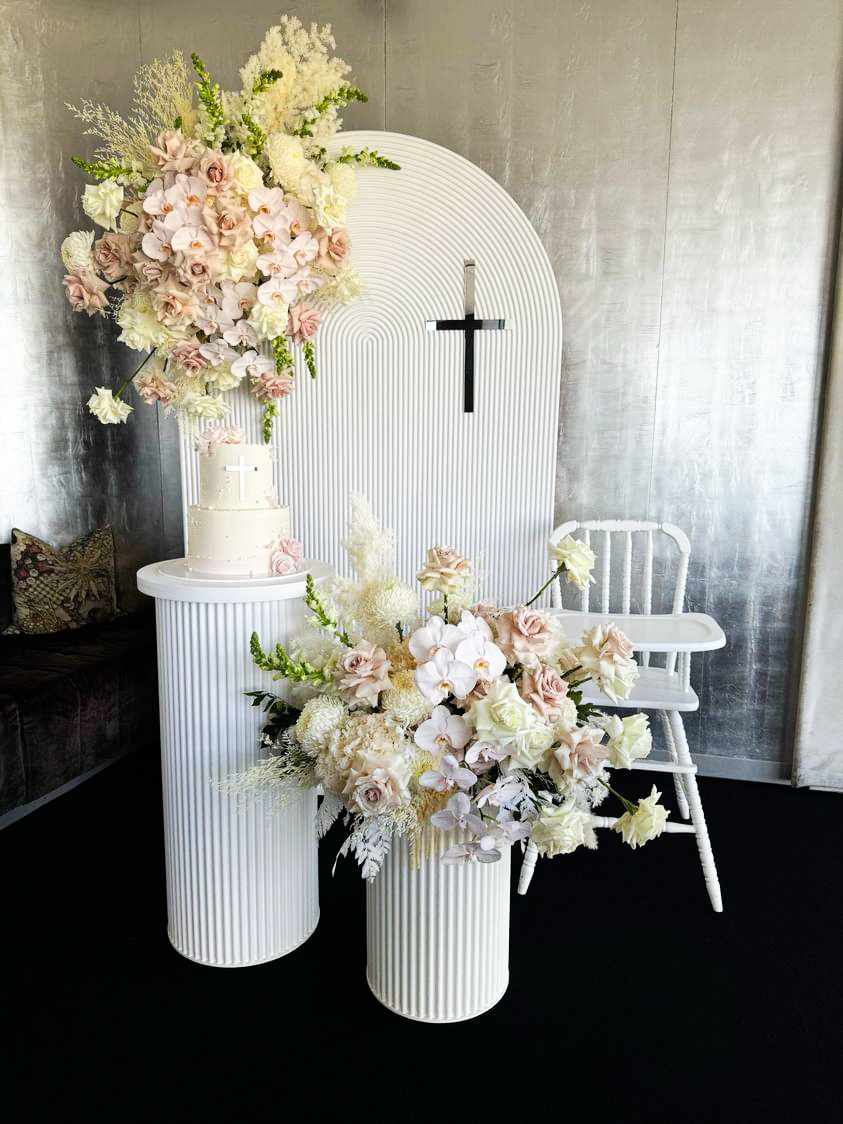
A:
[(385, 415)]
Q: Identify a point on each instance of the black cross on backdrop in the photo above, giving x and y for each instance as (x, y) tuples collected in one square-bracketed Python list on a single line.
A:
[(469, 325)]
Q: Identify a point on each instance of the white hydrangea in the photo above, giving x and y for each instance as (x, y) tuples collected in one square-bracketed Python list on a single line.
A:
[(318, 720), (102, 202), (76, 251), (222, 377), (645, 823), (562, 828), (342, 287)]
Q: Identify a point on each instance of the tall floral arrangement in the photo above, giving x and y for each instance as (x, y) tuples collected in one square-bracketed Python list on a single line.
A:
[(465, 717), (223, 223)]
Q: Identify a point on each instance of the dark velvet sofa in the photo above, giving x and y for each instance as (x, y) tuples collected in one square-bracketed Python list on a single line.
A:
[(71, 702)]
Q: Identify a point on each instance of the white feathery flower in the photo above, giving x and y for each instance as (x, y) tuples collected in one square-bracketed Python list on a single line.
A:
[(384, 604), (344, 179), (369, 546)]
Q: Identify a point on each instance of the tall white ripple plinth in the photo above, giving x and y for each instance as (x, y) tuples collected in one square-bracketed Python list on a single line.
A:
[(242, 883), (437, 937)]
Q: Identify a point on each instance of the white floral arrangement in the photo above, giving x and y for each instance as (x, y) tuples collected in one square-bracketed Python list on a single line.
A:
[(224, 220), (462, 717)]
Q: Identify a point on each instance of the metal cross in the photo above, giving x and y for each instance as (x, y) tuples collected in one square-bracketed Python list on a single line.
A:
[(469, 324), (242, 467)]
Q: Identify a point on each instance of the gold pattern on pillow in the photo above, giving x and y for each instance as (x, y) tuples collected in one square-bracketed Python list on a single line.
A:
[(57, 588)]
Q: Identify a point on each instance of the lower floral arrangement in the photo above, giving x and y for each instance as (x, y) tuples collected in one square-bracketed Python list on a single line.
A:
[(440, 736)]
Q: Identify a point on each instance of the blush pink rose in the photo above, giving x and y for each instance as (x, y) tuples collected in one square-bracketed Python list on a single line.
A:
[(303, 323), (364, 673), (282, 564), (272, 384), (86, 292), (188, 355), (615, 643), (545, 690), (149, 270), (113, 255), (155, 388), (333, 248), (213, 170), (173, 152), (525, 636)]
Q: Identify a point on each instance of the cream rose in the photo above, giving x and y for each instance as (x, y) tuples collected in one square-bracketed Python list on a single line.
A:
[(645, 823), (245, 174), (629, 739), (445, 571), (561, 829), (108, 409), (503, 717), (577, 558)]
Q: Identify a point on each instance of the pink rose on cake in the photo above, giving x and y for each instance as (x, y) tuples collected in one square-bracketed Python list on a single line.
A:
[(286, 558), (215, 435)]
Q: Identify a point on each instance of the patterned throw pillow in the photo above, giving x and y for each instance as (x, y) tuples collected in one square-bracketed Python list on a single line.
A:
[(57, 588)]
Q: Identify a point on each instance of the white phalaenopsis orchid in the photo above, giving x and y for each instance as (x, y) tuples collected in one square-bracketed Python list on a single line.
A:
[(482, 755), (443, 732), (483, 656), (450, 774), (444, 675), (433, 637), (502, 793), (457, 815)]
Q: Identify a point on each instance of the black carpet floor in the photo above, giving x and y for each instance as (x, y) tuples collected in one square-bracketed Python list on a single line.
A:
[(629, 999)]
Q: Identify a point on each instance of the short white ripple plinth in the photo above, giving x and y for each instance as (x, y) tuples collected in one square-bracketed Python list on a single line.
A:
[(438, 936)]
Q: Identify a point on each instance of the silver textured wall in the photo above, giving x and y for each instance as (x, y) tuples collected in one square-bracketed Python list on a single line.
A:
[(679, 160)]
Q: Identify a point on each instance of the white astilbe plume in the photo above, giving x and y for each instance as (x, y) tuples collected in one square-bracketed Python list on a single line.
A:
[(370, 547)]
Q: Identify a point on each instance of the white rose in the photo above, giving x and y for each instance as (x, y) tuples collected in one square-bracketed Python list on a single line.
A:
[(109, 410), (629, 739), (76, 251), (504, 718), (241, 264), (102, 202), (245, 173), (562, 828), (645, 823), (318, 192), (268, 322), (318, 720), (344, 180), (577, 558), (287, 160)]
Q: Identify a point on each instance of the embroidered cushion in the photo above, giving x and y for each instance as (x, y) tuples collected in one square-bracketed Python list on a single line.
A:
[(57, 588)]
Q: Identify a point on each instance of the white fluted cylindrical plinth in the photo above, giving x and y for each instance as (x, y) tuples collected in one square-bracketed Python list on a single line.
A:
[(438, 936), (242, 883)]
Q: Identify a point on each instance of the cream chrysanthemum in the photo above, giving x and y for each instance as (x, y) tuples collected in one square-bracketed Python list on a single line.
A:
[(318, 720), (76, 251), (383, 605), (404, 701)]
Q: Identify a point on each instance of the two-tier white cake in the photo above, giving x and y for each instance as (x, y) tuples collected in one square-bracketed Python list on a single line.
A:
[(238, 527)]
